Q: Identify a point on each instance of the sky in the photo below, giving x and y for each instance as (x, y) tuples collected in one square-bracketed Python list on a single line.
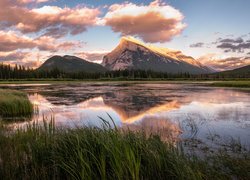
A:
[(215, 32)]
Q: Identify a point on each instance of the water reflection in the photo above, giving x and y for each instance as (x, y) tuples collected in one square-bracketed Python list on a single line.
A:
[(176, 110), (166, 129), (89, 111)]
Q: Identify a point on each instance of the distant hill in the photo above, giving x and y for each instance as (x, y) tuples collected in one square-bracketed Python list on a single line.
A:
[(71, 64), (133, 54), (239, 72)]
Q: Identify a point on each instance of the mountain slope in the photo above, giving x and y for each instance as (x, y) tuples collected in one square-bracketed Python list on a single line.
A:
[(132, 54), (71, 64), (239, 72)]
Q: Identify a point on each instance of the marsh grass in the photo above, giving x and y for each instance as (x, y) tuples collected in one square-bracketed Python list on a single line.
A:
[(240, 84), (46, 152), (14, 104)]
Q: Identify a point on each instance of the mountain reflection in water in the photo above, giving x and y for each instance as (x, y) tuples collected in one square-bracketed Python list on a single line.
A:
[(89, 111), (176, 110)]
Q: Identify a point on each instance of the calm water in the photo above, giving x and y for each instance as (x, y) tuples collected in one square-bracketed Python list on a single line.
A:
[(208, 114)]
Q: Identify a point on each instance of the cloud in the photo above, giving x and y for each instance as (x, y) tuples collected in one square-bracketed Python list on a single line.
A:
[(11, 41), (47, 19), (224, 63), (27, 59), (56, 32), (156, 22), (238, 40), (233, 45), (197, 45), (30, 59), (69, 45), (234, 48), (12, 56), (31, 1), (94, 56)]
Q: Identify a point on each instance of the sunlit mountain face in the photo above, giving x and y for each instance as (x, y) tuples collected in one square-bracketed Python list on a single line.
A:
[(133, 54), (172, 54), (32, 31)]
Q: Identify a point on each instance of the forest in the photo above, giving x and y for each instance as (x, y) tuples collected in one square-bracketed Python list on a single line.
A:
[(8, 72)]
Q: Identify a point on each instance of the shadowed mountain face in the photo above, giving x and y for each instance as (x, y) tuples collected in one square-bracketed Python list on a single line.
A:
[(132, 54), (243, 71), (71, 64)]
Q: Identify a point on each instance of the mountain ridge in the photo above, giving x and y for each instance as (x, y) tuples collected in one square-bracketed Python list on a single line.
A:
[(238, 72), (133, 54), (71, 64)]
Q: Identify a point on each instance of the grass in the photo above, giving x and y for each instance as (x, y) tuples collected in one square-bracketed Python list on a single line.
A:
[(142, 80), (14, 104), (46, 152), (241, 84)]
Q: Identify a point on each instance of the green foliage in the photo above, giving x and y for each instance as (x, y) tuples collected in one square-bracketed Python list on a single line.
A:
[(236, 73), (14, 104), (19, 72), (232, 84), (44, 152)]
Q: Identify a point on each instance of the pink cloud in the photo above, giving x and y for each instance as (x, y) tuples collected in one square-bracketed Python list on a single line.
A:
[(45, 18), (31, 1), (12, 56), (28, 59), (156, 22), (69, 45), (20, 58), (224, 63), (94, 56), (11, 41)]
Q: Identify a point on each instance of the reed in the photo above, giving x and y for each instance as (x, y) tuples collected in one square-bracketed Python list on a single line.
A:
[(46, 152), (14, 104), (238, 84)]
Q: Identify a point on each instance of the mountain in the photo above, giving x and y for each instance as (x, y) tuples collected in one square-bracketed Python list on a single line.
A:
[(133, 54), (71, 64), (239, 72)]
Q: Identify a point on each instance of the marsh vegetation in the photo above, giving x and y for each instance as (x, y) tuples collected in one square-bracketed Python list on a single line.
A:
[(14, 104), (47, 152), (149, 138), (241, 84)]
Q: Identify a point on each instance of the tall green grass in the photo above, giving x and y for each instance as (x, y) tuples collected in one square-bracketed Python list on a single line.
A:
[(243, 84), (14, 103), (46, 152)]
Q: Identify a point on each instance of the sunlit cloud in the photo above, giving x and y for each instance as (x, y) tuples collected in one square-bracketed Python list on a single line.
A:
[(45, 18), (11, 41), (94, 56), (28, 59), (31, 1), (222, 63), (12, 56), (156, 22)]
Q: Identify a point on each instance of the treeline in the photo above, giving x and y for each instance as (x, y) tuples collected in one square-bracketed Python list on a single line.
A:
[(16, 72), (21, 72)]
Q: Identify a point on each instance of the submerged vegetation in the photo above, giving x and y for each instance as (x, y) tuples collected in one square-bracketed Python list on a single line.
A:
[(46, 152), (14, 103)]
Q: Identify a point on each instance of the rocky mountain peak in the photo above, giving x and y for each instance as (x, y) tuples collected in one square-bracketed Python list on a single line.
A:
[(133, 54)]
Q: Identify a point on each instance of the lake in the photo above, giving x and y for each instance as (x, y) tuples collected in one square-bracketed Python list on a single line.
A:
[(210, 116)]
